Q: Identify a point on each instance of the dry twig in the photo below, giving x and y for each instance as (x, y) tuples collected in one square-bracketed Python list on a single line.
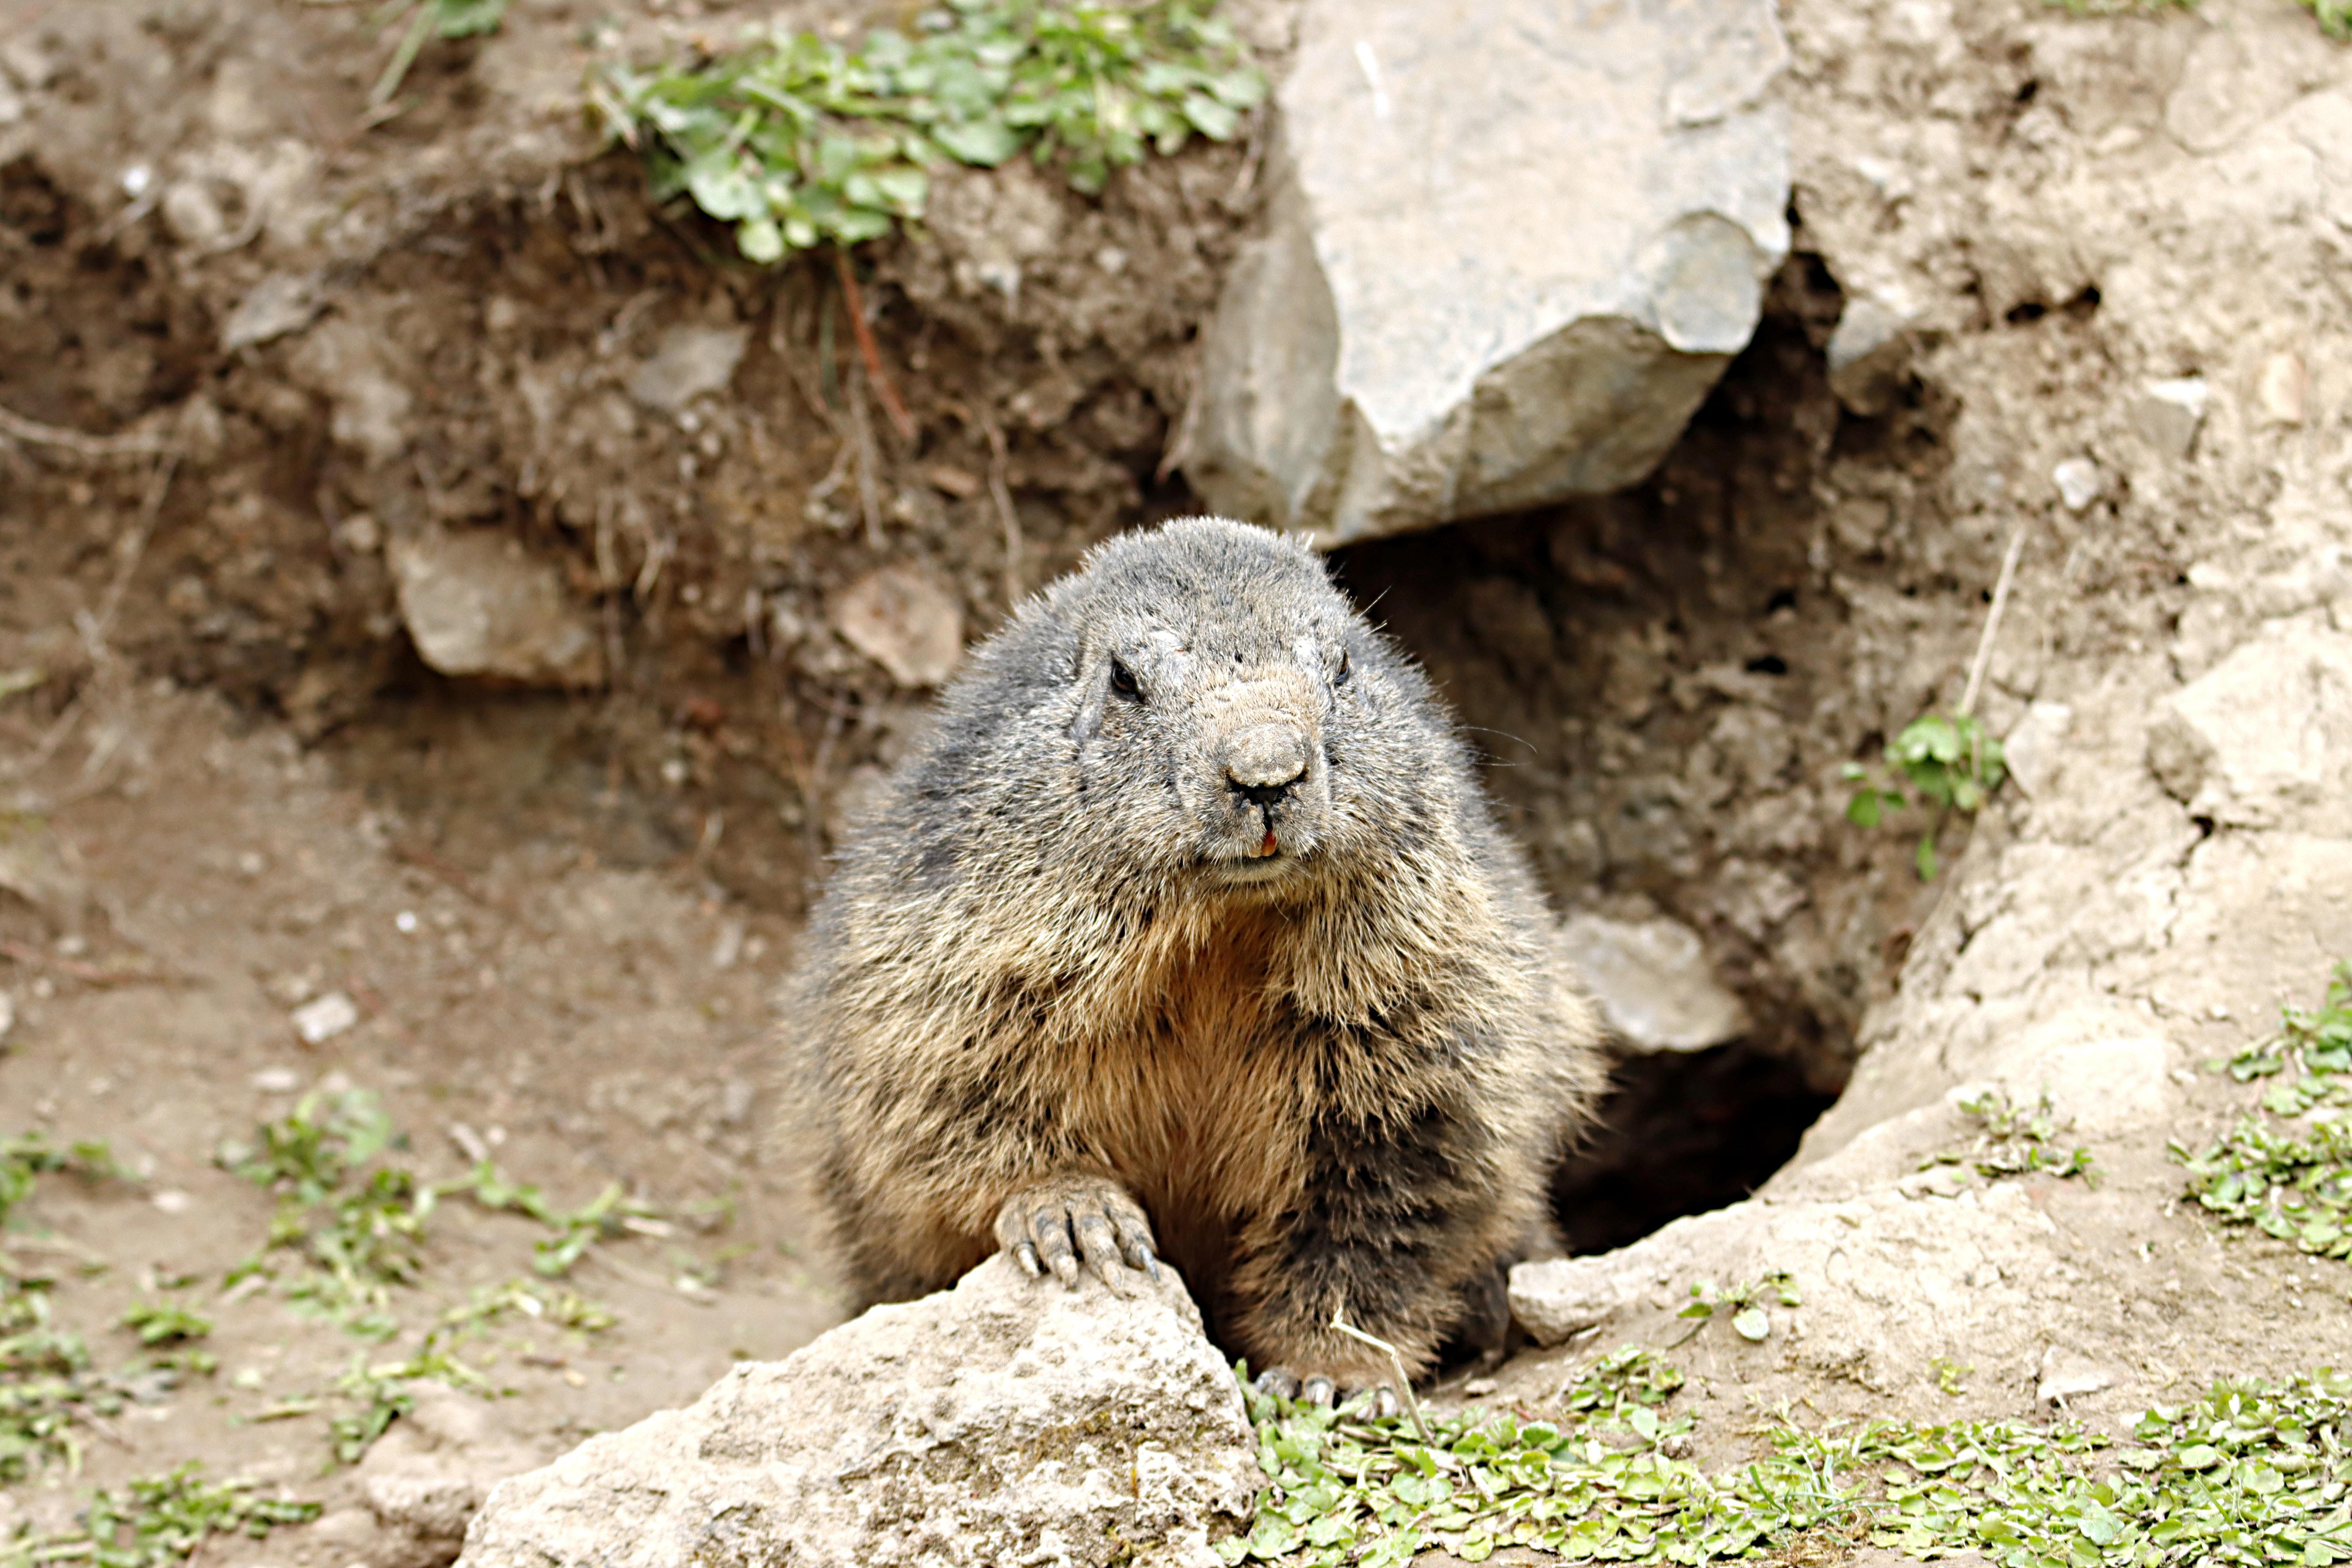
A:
[(900, 420), (1983, 660)]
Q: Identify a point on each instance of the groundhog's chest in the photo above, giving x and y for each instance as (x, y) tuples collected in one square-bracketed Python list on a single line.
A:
[(1192, 1094)]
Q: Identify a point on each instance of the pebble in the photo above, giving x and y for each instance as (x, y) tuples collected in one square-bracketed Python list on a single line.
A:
[(8, 1014), (323, 1019), (277, 1081), (2079, 482), (172, 1200)]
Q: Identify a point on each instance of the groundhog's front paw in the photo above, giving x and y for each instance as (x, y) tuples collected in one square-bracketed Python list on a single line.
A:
[(1061, 1220), (1317, 1388)]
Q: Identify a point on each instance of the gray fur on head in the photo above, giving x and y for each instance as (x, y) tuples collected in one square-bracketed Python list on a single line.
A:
[(1159, 713), (1190, 909)]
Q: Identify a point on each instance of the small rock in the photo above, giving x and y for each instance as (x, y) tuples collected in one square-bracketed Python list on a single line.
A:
[(343, 363), (905, 622), (728, 947), (24, 58), (7, 1015), (1554, 1299), (1869, 355), (280, 303), (2035, 745), (1479, 1387), (320, 1021), (193, 215), (963, 1429), (690, 361), (172, 1200), (2079, 482), (476, 604), (1653, 982), (277, 1081), (951, 481), (2169, 414), (2066, 1376), (2283, 390)]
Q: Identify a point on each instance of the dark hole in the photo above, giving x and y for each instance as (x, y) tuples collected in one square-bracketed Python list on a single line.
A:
[(1782, 599), (2084, 305), (2026, 93), (2031, 310), (1770, 663), (1682, 1134)]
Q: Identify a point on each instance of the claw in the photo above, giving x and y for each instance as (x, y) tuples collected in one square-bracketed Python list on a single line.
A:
[(1028, 1256), (1278, 1379), (1319, 1390)]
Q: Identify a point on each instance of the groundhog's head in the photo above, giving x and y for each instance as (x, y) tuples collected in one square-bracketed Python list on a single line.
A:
[(1212, 707)]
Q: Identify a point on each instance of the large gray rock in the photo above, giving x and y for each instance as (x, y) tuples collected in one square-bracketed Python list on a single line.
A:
[(2264, 738), (1510, 249), (1005, 1421), (476, 604)]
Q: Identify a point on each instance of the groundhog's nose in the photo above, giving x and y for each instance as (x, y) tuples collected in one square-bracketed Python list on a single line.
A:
[(1263, 762)]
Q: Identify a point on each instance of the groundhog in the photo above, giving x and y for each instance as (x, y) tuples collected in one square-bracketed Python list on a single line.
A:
[(1188, 933)]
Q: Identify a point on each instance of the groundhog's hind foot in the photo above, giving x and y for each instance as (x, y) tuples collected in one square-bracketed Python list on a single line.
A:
[(1317, 1389), (1064, 1219)]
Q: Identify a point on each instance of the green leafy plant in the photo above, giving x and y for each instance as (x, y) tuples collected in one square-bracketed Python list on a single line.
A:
[(159, 1520), (2254, 1474), (359, 1220), (2285, 1168), (1948, 1374), (165, 1322), (1949, 764), (798, 142), (1750, 1321), (2017, 1140)]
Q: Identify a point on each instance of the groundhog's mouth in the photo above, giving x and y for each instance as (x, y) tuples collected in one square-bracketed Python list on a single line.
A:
[(1253, 866)]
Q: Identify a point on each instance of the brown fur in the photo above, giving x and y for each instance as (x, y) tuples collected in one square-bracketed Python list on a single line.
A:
[(1338, 1086)]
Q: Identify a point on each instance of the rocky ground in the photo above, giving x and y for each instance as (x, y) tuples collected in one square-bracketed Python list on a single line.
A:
[(291, 385)]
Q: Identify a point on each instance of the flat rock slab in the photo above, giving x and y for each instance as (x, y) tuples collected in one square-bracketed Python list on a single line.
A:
[(1008, 1420), (1509, 247)]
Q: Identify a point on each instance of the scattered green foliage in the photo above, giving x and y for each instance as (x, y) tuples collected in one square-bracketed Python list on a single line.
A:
[(2286, 1167), (28, 1156), (165, 1322), (558, 1309), (576, 1230), (2334, 17), (2254, 1474), (45, 1383), (798, 142), (159, 1520), (2017, 1140), (1951, 764), (1948, 1374), (360, 1220), (1750, 1321), (382, 1394), (360, 1228)]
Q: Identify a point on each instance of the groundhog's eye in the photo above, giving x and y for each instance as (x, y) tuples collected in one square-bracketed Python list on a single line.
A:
[(1341, 678), (1123, 682)]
